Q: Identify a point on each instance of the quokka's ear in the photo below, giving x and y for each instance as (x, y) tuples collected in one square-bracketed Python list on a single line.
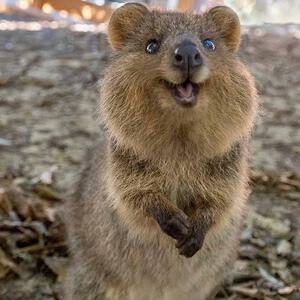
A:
[(123, 22), (228, 24)]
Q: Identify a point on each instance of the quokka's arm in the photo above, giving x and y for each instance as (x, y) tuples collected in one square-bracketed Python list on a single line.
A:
[(203, 218), (225, 181), (137, 186)]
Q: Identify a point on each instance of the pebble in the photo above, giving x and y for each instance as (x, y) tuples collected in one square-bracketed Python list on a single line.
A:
[(284, 248), (5, 142), (276, 227)]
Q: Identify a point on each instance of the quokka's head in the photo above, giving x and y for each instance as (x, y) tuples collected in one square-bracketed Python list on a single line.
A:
[(176, 65), (173, 54)]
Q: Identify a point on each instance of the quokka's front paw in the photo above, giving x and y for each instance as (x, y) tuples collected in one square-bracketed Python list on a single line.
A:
[(175, 225), (189, 245)]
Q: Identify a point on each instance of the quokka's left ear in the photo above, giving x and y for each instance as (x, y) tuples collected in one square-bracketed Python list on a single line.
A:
[(228, 24), (124, 21)]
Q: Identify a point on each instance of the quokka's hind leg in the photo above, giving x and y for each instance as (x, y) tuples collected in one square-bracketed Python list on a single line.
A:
[(79, 285)]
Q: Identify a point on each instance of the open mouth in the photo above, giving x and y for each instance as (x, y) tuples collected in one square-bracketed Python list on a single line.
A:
[(184, 93)]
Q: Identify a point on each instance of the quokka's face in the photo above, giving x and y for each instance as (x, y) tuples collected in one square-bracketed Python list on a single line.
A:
[(175, 59)]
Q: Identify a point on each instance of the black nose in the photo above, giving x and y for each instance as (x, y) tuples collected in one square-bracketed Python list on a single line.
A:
[(187, 57)]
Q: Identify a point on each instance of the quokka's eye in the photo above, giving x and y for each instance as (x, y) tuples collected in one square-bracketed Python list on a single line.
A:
[(152, 46), (209, 45)]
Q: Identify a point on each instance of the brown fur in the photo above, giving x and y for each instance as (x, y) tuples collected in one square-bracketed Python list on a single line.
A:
[(172, 179)]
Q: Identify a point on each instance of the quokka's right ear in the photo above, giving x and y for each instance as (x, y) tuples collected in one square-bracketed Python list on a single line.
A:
[(228, 25), (123, 22)]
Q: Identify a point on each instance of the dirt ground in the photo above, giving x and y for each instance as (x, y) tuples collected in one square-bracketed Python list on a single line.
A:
[(48, 119)]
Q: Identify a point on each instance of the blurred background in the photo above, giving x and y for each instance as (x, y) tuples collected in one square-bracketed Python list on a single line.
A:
[(52, 56), (250, 11)]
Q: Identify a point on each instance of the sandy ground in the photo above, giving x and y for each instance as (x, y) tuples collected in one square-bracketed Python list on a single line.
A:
[(48, 119)]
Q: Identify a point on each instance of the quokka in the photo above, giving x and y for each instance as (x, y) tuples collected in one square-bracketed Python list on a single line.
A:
[(158, 211)]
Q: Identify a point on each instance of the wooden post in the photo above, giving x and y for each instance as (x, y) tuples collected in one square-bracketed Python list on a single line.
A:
[(186, 5), (83, 9)]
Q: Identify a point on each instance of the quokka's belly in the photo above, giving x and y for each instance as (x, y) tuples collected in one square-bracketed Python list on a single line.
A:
[(159, 273)]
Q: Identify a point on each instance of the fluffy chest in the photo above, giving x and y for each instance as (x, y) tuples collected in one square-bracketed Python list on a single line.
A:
[(185, 187), (193, 186)]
